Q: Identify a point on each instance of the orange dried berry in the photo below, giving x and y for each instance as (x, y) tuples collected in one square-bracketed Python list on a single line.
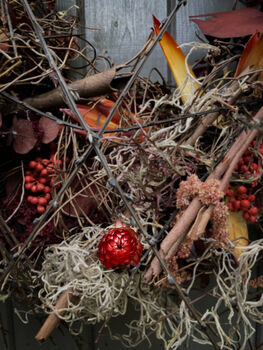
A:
[(120, 247)]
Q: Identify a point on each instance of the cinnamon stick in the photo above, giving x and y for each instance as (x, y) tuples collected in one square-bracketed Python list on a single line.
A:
[(177, 234), (53, 320)]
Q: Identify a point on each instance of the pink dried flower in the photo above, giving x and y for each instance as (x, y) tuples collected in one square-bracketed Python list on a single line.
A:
[(218, 220), (187, 191), (209, 192)]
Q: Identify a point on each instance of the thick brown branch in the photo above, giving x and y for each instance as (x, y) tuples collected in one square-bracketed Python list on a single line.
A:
[(91, 86)]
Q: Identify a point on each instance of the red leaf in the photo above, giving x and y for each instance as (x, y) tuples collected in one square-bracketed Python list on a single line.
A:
[(50, 129), (24, 137), (230, 24)]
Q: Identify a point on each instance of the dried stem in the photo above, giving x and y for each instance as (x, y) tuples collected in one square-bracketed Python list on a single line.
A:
[(171, 242)]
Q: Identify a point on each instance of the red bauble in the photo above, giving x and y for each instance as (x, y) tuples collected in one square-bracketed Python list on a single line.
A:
[(119, 247)]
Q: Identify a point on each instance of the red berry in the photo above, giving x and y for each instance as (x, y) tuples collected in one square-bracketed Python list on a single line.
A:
[(34, 200), (254, 184), (247, 159), (252, 219), (39, 167), (45, 161), (40, 187), (120, 247), (230, 193), (50, 169), (243, 196), (47, 189), (40, 209), (230, 206), (32, 164), (29, 198), (261, 150), (236, 204), (244, 168), (44, 172), (247, 153), (42, 201), (42, 180), (253, 211), (34, 188), (246, 215), (241, 190), (254, 167), (47, 196), (245, 203), (29, 178), (251, 197), (28, 185)]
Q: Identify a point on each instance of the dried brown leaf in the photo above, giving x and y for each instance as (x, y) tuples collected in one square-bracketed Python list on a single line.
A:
[(50, 129), (24, 137)]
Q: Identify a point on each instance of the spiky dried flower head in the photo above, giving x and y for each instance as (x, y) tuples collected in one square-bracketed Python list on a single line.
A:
[(119, 247)]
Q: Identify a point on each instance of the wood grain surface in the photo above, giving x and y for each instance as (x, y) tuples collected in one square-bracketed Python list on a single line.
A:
[(124, 27)]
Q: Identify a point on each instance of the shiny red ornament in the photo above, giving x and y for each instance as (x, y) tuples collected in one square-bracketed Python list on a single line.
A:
[(119, 247)]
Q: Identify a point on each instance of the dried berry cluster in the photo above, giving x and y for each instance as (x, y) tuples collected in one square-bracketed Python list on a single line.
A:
[(38, 182), (251, 162), (242, 198)]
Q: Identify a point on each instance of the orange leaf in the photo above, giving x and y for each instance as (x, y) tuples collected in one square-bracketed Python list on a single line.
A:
[(94, 117), (176, 60), (238, 232), (252, 56)]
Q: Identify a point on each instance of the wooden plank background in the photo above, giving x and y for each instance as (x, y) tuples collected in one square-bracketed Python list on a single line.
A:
[(124, 26)]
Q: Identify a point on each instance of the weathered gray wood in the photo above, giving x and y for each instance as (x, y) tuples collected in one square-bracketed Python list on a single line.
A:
[(124, 28)]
